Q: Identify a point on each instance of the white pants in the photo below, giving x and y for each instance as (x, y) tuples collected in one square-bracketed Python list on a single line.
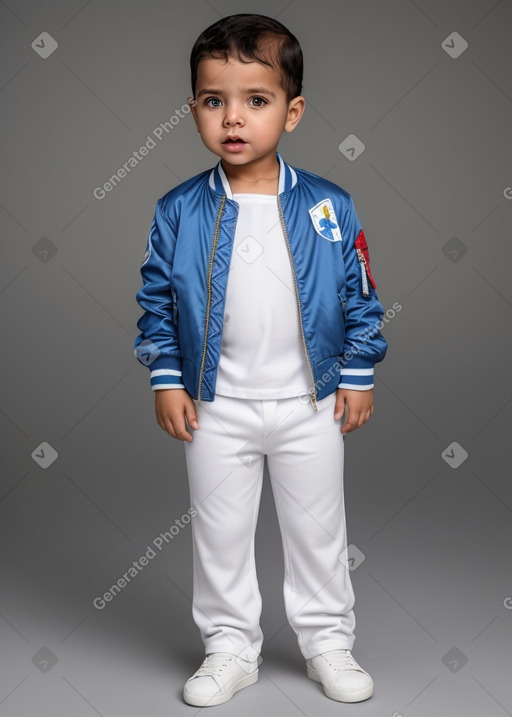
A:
[(305, 452)]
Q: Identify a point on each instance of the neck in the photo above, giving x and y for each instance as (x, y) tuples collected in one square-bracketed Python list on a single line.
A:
[(257, 178)]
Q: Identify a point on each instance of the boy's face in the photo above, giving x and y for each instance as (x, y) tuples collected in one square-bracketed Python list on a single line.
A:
[(242, 110)]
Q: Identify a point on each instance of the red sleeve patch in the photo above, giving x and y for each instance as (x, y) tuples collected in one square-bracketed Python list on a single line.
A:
[(362, 246)]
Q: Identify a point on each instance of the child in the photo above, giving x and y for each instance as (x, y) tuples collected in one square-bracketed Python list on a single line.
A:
[(260, 329)]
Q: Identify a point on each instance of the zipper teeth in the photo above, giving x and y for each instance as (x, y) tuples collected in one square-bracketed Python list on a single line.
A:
[(297, 297), (174, 306), (209, 284), (364, 276)]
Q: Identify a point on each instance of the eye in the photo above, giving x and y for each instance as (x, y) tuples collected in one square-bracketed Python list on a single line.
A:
[(213, 102), (258, 101)]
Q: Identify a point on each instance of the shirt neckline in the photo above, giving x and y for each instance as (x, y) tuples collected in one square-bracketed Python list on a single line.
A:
[(252, 195)]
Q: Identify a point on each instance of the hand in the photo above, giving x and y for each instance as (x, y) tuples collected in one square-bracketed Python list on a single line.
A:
[(172, 406), (360, 407)]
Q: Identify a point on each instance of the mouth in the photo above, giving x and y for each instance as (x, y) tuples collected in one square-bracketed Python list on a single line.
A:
[(234, 140), (234, 144)]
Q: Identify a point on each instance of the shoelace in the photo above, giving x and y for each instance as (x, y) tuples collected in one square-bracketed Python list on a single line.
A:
[(341, 660), (214, 664)]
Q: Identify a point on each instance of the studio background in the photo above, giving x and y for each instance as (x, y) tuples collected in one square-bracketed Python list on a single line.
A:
[(426, 88)]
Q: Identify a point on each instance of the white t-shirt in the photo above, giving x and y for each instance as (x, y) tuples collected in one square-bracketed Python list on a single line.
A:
[(262, 352)]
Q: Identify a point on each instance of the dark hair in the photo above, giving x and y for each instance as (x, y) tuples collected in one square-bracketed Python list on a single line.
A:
[(245, 37)]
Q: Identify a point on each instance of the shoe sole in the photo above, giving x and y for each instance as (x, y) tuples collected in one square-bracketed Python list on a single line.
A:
[(352, 696), (219, 698)]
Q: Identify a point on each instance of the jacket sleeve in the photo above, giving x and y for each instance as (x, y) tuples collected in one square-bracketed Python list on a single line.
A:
[(157, 346), (364, 344)]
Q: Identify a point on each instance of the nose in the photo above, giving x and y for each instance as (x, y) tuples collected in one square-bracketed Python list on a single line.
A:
[(233, 115)]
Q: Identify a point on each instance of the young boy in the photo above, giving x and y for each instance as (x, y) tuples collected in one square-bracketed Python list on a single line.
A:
[(260, 329)]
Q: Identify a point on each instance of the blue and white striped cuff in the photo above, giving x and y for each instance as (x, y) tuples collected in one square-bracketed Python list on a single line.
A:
[(358, 379), (165, 378)]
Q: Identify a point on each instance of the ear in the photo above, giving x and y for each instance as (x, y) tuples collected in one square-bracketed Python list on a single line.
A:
[(192, 103), (295, 112)]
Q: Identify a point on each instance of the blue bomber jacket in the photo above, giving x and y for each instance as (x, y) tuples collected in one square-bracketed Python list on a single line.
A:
[(185, 272)]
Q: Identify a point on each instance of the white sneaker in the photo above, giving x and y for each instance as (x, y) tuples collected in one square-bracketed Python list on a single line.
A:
[(342, 678), (219, 677)]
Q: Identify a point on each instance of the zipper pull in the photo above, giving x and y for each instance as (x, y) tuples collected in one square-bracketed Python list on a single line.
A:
[(312, 399)]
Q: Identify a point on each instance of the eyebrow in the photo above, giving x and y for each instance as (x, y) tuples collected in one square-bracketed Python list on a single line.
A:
[(249, 91)]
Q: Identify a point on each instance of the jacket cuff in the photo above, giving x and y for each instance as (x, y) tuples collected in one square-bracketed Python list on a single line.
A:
[(166, 372), (357, 374), (160, 386)]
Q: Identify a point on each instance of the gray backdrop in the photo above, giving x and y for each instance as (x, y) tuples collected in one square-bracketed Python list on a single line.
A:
[(89, 480)]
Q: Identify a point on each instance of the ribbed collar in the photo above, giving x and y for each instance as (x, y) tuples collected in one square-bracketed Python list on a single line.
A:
[(219, 182)]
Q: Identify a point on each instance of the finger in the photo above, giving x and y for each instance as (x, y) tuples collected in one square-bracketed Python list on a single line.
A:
[(180, 430), (348, 427), (351, 422), (339, 409), (368, 415), (354, 421), (360, 420), (168, 426), (191, 416)]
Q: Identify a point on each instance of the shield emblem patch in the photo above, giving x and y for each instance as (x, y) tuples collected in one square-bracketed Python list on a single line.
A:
[(325, 221)]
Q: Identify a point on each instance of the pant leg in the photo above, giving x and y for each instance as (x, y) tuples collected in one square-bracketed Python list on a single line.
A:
[(305, 458), (225, 472)]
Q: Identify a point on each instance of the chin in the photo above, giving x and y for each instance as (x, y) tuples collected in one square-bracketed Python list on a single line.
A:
[(234, 158)]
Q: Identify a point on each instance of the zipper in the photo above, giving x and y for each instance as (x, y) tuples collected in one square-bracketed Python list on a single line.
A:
[(174, 307), (343, 303), (312, 395), (209, 286), (364, 277)]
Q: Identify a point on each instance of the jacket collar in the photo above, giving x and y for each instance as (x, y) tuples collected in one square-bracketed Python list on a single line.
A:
[(219, 182)]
